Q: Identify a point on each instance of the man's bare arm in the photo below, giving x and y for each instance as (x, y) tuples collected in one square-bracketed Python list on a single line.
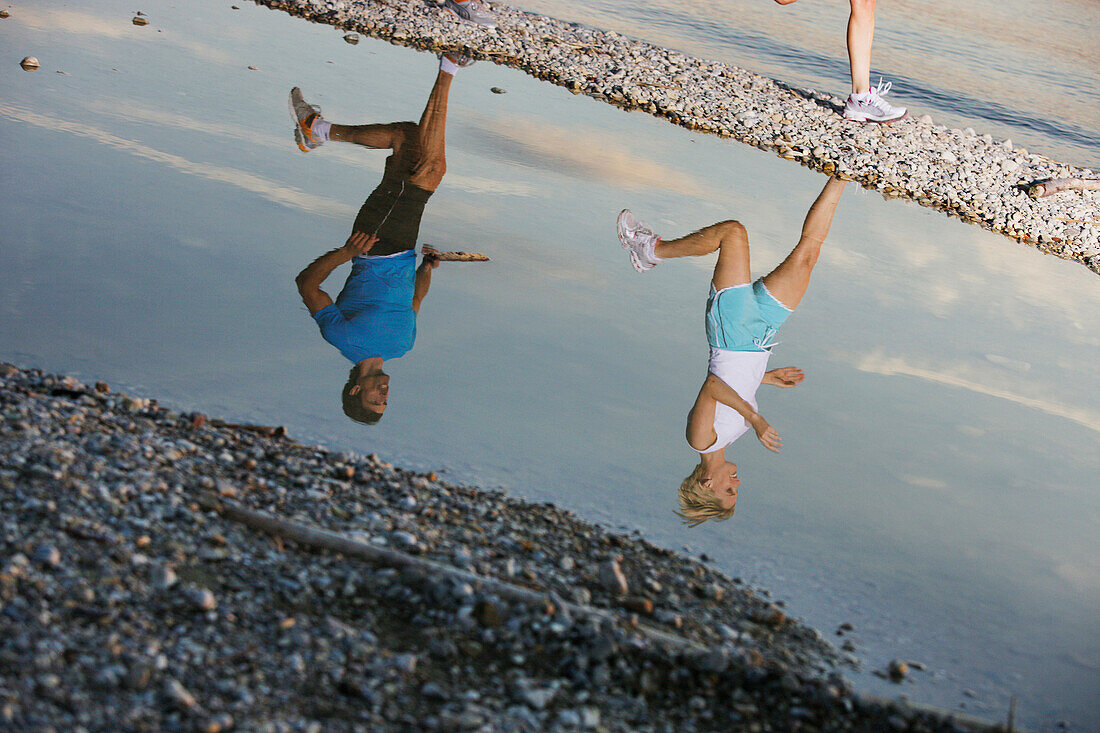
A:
[(309, 280), (423, 279)]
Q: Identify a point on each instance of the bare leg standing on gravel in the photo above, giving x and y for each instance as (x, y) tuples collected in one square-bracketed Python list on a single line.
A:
[(742, 319), (865, 104)]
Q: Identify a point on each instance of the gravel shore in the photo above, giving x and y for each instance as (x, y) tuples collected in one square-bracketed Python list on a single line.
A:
[(972, 176), (132, 596)]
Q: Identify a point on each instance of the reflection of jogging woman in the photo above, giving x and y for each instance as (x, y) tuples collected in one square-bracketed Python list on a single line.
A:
[(865, 103), (742, 319)]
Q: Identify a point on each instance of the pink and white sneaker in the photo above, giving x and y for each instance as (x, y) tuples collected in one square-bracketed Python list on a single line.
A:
[(871, 107), (639, 240)]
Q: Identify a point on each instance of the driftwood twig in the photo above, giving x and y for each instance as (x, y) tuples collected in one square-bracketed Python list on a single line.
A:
[(1046, 188), (320, 538)]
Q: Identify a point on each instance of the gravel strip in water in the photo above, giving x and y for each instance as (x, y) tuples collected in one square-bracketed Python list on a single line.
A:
[(974, 177), (125, 606)]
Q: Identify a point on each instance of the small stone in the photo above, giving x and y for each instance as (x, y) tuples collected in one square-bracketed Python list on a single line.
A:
[(253, 68), (4, 14), (498, 90), (138, 20), (47, 555), (432, 691), (179, 695), (30, 63), (163, 577), (612, 578), (926, 119), (202, 599), (487, 614), (898, 670), (569, 718), (537, 698), (217, 724), (352, 38), (405, 663)]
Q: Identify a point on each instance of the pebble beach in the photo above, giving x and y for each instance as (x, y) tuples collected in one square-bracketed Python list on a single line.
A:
[(168, 571), (969, 175)]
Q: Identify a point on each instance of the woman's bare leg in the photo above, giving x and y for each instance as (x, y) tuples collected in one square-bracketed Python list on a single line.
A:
[(730, 240), (788, 281), (861, 33)]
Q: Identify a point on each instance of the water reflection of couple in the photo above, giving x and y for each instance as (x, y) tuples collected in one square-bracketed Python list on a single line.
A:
[(742, 319), (373, 319)]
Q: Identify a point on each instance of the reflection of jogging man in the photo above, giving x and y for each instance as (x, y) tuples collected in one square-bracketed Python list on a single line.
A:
[(742, 320), (374, 317)]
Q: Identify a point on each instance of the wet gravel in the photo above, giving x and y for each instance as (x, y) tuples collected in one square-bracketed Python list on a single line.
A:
[(126, 603), (974, 177)]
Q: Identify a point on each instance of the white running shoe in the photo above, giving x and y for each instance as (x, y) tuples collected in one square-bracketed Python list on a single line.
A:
[(871, 107), (639, 240), (471, 11), (304, 114)]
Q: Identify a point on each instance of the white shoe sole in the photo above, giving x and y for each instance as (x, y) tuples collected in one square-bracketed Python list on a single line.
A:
[(858, 117)]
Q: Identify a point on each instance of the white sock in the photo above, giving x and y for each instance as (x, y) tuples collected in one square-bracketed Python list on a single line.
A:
[(320, 129), (861, 96), (447, 66)]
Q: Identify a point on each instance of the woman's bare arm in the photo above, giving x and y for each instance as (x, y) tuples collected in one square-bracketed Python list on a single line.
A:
[(727, 395)]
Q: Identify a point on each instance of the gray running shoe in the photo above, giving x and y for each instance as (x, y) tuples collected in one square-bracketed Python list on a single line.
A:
[(639, 240), (471, 11), (871, 107), (303, 114)]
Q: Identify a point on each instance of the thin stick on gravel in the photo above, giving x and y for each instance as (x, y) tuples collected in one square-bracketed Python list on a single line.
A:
[(320, 538), (1046, 188)]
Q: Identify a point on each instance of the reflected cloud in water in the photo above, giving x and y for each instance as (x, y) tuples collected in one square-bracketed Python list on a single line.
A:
[(270, 190)]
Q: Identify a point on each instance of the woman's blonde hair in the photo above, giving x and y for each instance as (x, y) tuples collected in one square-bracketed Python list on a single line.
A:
[(698, 503)]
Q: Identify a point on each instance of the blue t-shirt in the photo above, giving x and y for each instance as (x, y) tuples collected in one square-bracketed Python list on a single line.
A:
[(373, 314)]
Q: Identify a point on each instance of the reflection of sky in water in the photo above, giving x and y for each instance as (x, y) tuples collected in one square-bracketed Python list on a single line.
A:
[(936, 486)]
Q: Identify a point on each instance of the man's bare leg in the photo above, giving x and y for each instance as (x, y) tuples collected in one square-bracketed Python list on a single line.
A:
[(381, 136), (788, 281), (431, 160), (728, 238), (422, 144)]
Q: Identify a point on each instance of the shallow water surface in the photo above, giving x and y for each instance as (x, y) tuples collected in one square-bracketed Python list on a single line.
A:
[(1010, 68), (936, 487)]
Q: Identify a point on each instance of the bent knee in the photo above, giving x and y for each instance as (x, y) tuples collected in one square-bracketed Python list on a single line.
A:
[(863, 7), (429, 174), (733, 232)]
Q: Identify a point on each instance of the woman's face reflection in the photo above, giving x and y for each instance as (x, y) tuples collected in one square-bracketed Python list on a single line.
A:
[(723, 481)]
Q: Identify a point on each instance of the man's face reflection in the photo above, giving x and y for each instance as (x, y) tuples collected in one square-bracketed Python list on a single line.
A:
[(373, 391)]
